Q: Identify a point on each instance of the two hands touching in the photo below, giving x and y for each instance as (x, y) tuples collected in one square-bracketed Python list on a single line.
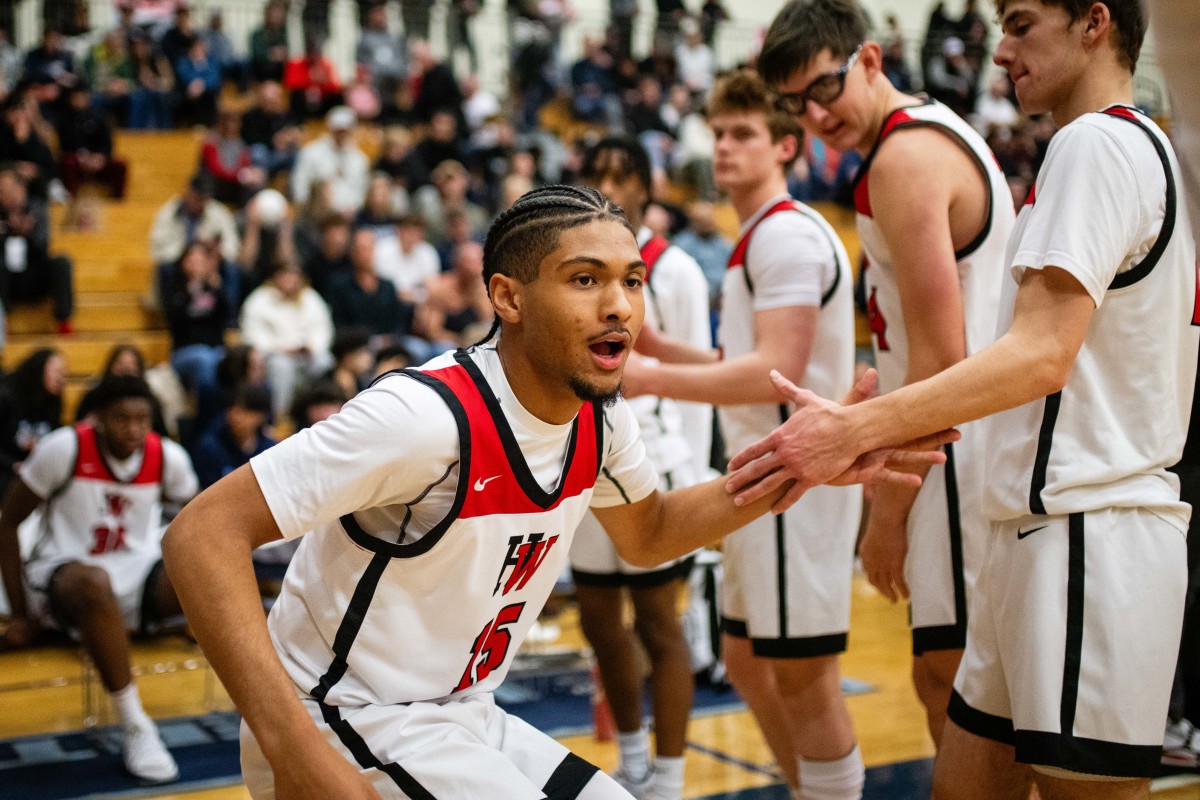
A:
[(815, 446)]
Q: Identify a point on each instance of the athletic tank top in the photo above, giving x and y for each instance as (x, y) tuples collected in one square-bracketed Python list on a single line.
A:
[(981, 262)]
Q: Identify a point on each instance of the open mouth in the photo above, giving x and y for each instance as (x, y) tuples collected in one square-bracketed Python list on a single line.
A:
[(608, 350)]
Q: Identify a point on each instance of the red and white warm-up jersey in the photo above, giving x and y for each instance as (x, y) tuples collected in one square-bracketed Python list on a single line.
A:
[(95, 507)]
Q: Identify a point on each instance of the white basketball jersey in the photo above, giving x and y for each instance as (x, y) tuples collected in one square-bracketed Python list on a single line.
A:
[(673, 431), (370, 619), (108, 516), (830, 370), (1108, 208), (980, 263)]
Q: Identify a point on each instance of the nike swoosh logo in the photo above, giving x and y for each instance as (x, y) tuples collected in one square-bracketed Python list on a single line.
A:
[(1022, 534), (482, 482)]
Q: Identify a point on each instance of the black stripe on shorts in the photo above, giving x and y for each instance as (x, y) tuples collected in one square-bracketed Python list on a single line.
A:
[(800, 647), (635, 580), (980, 723), (368, 760)]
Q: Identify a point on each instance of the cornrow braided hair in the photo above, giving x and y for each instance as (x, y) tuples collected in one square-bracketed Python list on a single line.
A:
[(528, 231)]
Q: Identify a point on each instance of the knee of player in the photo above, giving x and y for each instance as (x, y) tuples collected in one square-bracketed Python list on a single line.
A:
[(815, 679), (83, 590), (662, 636)]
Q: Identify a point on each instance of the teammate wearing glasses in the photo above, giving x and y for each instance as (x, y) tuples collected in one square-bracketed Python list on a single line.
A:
[(1076, 618), (934, 214), (786, 304)]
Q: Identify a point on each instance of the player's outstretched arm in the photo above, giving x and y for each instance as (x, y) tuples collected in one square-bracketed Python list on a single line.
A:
[(667, 525), (823, 439), (207, 551)]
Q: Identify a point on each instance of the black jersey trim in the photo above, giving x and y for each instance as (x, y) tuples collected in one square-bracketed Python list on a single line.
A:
[(1132, 276), (624, 496), (599, 421), (938, 637), (976, 242), (358, 748), (1073, 647), (516, 459), (423, 545), (569, 778), (865, 167), (837, 275), (980, 723), (735, 627), (1041, 461), (954, 635), (800, 647), (816, 219), (351, 624)]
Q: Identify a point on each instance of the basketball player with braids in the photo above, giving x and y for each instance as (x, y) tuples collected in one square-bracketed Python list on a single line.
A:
[(439, 507), (676, 441)]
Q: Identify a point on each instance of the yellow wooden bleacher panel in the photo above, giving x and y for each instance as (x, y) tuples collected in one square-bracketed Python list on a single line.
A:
[(85, 353)]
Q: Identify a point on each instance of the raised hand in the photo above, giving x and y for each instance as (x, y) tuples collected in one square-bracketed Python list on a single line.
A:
[(810, 449)]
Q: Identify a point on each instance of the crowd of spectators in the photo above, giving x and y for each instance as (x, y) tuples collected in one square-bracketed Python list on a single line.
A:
[(334, 224)]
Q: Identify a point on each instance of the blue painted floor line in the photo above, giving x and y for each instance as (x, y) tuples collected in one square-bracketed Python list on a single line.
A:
[(760, 769)]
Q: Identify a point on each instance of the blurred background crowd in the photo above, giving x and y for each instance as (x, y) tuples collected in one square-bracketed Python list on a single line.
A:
[(350, 158)]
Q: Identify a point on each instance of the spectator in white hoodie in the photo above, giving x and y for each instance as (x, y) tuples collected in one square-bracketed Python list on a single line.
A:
[(289, 323)]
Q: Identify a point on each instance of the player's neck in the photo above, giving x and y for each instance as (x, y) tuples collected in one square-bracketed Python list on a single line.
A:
[(535, 391), (1101, 86), (888, 100), (747, 200)]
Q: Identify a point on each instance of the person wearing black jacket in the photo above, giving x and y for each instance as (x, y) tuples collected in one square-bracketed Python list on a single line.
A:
[(30, 407), (197, 313), (28, 272), (85, 145), (271, 132), (21, 145)]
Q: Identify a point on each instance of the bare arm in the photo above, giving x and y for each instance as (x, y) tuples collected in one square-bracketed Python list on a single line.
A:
[(924, 190), (1032, 360), (668, 525), (207, 551), (655, 344), (19, 503), (783, 340)]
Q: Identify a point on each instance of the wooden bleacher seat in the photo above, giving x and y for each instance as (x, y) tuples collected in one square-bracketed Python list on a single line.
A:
[(113, 271)]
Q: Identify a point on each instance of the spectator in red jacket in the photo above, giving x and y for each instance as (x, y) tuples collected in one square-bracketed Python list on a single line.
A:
[(313, 82)]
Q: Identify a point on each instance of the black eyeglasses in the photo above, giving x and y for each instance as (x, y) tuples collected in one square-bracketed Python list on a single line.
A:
[(823, 90)]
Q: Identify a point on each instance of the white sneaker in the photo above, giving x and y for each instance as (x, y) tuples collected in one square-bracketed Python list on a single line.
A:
[(635, 788), (657, 792), (1181, 745), (145, 755)]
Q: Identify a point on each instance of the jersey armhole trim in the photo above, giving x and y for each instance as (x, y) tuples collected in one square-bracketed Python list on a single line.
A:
[(423, 545), (1136, 274), (954, 136)]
